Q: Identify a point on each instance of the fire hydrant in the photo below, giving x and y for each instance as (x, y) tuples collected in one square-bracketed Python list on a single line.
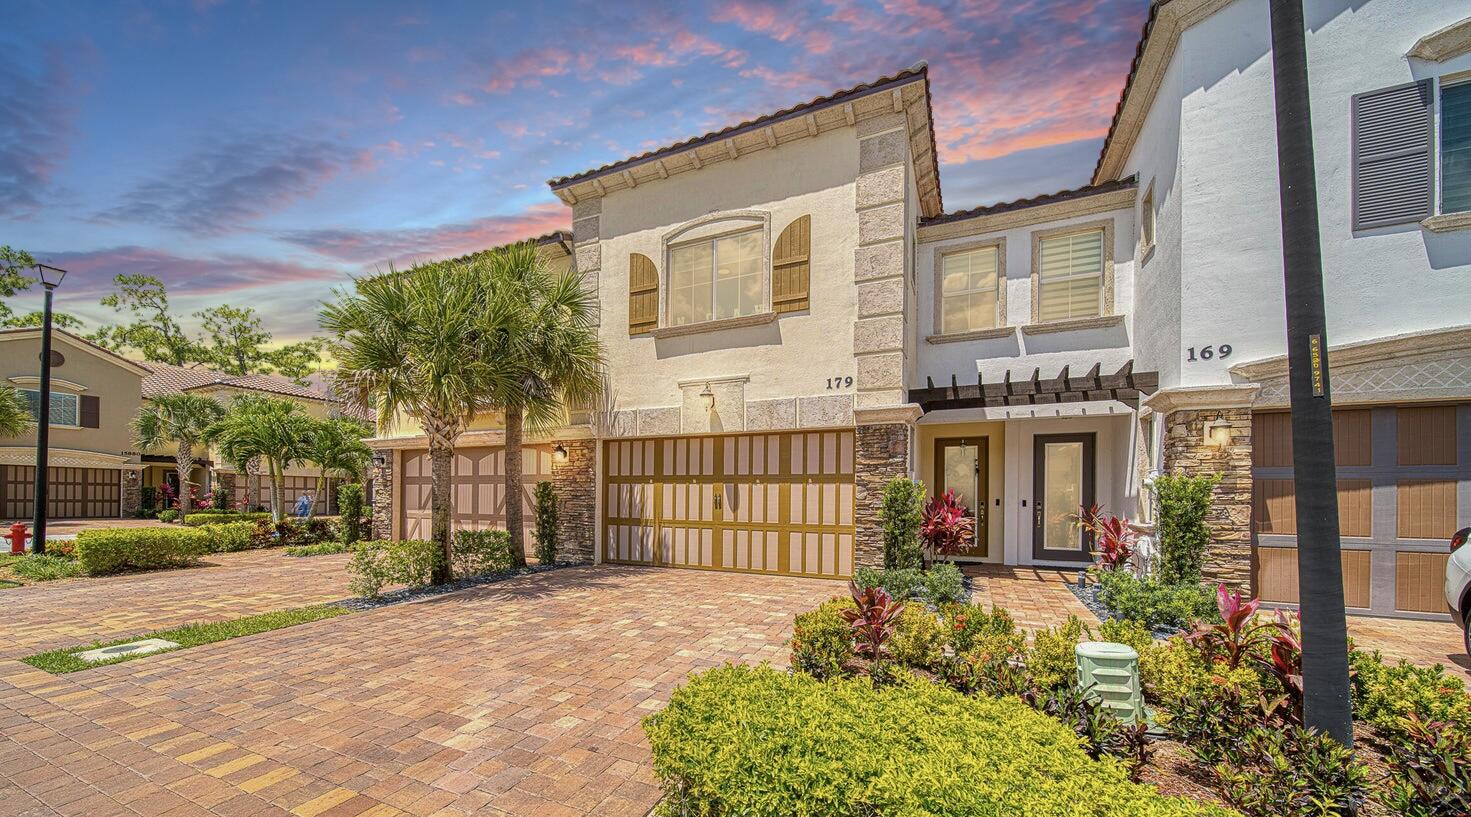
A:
[(18, 537)]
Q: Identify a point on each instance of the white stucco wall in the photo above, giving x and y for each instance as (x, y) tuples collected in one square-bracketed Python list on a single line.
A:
[(1378, 283), (791, 357)]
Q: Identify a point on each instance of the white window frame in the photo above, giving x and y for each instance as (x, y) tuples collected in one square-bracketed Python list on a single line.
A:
[(76, 400), (1105, 275), (705, 229), (997, 244), (1437, 88), (1148, 221)]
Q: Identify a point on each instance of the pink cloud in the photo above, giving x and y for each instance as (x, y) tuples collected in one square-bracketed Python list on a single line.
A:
[(779, 22), (90, 273), (401, 247)]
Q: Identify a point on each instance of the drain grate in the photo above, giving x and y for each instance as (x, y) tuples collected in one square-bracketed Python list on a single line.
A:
[(142, 647)]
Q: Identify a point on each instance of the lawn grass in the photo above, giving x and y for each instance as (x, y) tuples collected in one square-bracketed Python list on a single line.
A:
[(189, 635)]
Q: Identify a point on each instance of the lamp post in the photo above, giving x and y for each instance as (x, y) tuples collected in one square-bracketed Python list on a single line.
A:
[(50, 279)]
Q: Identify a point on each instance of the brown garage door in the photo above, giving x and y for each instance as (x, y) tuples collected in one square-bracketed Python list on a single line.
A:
[(1401, 473), (767, 503), (478, 496), (71, 493), (326, 502)]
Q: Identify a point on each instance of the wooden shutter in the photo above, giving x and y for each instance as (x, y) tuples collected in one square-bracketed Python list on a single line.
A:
[(643, 295), (91, 417), (1393, 158), (791, 263)]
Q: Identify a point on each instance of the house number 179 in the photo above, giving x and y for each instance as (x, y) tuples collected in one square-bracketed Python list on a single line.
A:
[(840, 382), (1209, 352)]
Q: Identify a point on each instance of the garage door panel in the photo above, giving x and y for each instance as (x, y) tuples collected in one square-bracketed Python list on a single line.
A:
[(477, 490), (72, 493)]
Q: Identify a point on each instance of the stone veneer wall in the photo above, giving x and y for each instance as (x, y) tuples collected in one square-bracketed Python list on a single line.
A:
[(132, 492), (383, 490), (1228, 558), (576, 483), (882, 454)]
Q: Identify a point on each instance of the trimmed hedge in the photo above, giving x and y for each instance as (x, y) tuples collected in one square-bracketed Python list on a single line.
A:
[(111, 550), (759, 743), (477, 552), (229, 537), (197, 518), (376, 565)]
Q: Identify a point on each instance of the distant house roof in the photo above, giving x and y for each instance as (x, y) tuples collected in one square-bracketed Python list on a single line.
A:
[(165, 378), (1034, 201), (562, 238)]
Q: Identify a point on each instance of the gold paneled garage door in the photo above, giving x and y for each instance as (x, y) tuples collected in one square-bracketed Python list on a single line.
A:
[(764, 503), (478, 489)]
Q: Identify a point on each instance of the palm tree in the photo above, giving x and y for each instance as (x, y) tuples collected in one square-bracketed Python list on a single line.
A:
[(15, 413), (180, 419), (544, 346), (336, 446), (405, 343), (269, 428)]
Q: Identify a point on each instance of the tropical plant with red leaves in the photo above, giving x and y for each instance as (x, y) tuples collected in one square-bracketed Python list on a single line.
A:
[(1283, 661), (947, 527), (872, 621), (1239, 635), (1113, 539)]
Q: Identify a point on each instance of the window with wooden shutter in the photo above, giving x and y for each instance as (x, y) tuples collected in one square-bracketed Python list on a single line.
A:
[(1393, 164), (90, 410), (643, 295), (791, 264)]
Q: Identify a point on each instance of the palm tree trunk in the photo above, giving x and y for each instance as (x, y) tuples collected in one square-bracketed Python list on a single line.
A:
[(515, 518), (252, 484), (441, 456), (183, 464), (278, 490), (320, 493)]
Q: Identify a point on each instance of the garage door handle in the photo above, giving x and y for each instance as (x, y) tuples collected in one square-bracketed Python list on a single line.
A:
[(717, 500)]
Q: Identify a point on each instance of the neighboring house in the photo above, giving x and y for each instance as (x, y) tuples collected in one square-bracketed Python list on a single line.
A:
[(791, 319)]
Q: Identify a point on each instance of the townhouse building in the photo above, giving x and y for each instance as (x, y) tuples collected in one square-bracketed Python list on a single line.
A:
[(792, 318)]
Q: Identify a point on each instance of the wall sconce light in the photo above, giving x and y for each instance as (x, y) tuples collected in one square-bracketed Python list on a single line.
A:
[(379, 460), (559, 452), (708, 398), (1217, 433)]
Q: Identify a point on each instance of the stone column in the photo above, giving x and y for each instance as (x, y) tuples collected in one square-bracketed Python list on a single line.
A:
[(575, 481), (132, 487), (225, 481), (881, 453), (1228, 557), (879, 262), (381, 475)]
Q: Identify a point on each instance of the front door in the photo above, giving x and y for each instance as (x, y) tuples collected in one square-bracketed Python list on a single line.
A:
[(1062, 485), (960, 466)]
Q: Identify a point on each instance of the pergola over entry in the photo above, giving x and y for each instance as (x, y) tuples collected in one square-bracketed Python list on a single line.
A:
[(1125, 386)]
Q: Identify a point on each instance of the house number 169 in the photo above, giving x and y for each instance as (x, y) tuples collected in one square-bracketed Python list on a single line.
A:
[(1208, 352)]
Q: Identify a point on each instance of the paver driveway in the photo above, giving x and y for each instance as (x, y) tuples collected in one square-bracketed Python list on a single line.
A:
[(518, 698)]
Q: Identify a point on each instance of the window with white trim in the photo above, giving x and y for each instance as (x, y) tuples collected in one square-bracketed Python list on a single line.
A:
[(1070, 276), (66, 409), (715, 278), (969, 287), (1146, 221)]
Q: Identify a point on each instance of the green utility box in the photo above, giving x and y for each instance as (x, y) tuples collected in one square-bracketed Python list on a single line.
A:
[(1111, 672)]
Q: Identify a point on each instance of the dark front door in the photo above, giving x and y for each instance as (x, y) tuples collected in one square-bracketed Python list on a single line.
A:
[(1062, 484), (961, 466)]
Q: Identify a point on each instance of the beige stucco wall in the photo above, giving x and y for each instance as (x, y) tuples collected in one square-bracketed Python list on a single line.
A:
[(995, 433), (788, 360), (117, 387)]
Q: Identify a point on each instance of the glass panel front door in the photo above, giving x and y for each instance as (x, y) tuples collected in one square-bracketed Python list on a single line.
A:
[(1063, 485), (960, 466)]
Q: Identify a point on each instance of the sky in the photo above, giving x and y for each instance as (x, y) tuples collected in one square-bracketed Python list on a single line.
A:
[(260, 153)]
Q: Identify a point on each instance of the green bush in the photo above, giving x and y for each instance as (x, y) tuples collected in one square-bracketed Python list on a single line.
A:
[(544, 502), (477, 552), (972, 629), (822, 642), (147, 500), (109, 550), (919, 638), (319, 549), (229, 537), (762, 743), (1127, 631), (1155, 603), (1384, 694), (353, 524), (900, 516), (901, 583), (944, 584), (293, 532), (197, 518), (376, 565), (1184, 502), (45, 567), (1281, 770), (1174, 670), (1429, 771), (1052, 660), (171, 515), (219, 499)]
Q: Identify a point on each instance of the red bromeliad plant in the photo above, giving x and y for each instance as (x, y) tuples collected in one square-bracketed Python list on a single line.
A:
[(1239, 635), (873, 621), (947, 527), (1113, 539)]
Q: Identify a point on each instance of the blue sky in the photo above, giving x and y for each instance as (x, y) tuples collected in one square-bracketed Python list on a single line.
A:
[(258, 153)]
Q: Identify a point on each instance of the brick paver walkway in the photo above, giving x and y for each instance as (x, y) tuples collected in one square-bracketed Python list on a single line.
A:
[(518, 698)]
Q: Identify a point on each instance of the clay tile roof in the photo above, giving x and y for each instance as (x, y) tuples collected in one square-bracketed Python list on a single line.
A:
[(563, 237), (834, 98), (164, 378), (1118, 110), (1035, 201)]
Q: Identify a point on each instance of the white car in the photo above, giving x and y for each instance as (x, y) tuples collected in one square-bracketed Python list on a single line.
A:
[(1458, 583)]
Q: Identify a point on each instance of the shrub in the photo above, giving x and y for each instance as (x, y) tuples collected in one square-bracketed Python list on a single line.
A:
[(1239, 636), (1385, 695), (229, 538), (477, 552), (1099, 730), (946, 528), (319, 549), (762, 743), (110, 550), (1052, 661), (376, 565), (1213, 720), (1154, 603), (1429, 771), (900, 515), (822, 641), (1290, 770), (902, 583), (353, 524), (219, 499), (171, 515), (1114, 541), (919, 638), (1183, 535), (292, 532), (1173, 670), (45, 567), (545, 504), (971, 628), (197, 518), (147, 500), (872, 618), (1127, 631), (944, 584)]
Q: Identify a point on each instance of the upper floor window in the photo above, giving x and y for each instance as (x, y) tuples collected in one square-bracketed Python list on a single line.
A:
[(1455, 146), (66, 409), (716, 278), (969, 287), (1069, 276), (1146, 221)]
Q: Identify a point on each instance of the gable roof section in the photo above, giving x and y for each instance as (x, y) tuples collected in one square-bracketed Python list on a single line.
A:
[(907, 90), (77, 341), (165, 378)]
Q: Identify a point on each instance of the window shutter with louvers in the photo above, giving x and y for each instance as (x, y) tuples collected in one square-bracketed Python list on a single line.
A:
[(1393, 159), (791, 264), (643, 295), (90, 411)]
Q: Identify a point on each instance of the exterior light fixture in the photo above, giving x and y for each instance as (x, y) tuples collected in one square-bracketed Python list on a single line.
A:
[(1217, 433), (708, 398), (51, 278), (379, 460), (560, 452)]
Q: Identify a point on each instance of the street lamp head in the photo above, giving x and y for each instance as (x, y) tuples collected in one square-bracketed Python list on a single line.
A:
[(50, 276)]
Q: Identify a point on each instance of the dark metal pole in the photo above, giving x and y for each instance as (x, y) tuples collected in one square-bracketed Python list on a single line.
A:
[(43, 429), (1326, 704)]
